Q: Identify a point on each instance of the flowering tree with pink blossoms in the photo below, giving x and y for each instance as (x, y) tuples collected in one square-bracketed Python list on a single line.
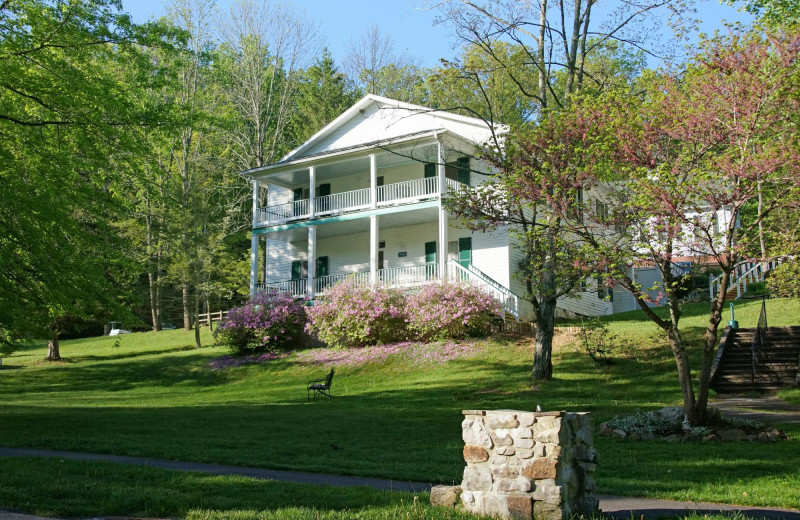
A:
[(677, 168)]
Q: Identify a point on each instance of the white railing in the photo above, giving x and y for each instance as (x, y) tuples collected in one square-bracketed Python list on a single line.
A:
[(454, 186), (323, 283), (409, 276), (414, 189), (509, 302), (744, 274), (282, 212), (345, 201), (293, 287), (354, 200)]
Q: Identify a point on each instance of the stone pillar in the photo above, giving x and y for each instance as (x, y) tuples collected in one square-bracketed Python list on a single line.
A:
[(528, 464)]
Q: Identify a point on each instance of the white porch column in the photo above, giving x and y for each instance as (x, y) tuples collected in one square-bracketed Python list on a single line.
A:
[(312, 262), (312, 190), (373, 180), (266, 258), (254, 243), (442, 252), (373, 249)]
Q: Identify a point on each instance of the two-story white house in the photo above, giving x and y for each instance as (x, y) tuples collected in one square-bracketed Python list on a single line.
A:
[(363, 198)]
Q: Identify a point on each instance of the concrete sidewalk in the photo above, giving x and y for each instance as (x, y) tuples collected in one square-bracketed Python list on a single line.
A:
[(617, 507)]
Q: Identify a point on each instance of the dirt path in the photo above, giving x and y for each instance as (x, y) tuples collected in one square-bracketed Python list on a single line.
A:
[(769, 409)]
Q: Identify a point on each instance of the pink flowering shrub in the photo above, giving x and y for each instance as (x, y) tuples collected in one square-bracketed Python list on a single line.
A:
[(269, 321), (450, 310), (354, 315)]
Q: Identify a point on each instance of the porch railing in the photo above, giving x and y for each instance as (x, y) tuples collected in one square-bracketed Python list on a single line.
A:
[(323, 283), (345, 201), (398, 192), (294, 287), (413, 189), (409, 276), (282, 212)]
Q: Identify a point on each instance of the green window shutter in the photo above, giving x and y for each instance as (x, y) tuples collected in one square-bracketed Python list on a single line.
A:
[(465, 251), (430, 252), (430, 170), (322, 266), (296, 270), (323, 190), (463, 170)]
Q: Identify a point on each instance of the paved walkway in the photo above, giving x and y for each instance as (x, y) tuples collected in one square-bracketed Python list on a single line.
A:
[(616, 507), (769, 409)]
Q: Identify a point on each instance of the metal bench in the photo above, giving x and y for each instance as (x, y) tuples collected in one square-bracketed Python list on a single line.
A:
[(320, 386)]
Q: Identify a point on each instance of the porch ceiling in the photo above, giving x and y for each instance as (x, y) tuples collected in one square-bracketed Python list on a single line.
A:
[(332, 167), (361, 225)]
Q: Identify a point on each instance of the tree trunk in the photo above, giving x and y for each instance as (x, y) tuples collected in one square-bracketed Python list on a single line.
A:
[(710, 342), (693, 413), (543, 341), (540, 54), (187, 316), (197, 322), (53, 352), (154, 311)]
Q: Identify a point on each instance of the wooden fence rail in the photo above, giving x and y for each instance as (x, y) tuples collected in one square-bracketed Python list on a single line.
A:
[(210, 317)]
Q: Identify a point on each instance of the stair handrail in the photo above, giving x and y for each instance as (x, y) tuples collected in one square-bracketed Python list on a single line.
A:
[(759, 339), (746, 272), (508, 300)]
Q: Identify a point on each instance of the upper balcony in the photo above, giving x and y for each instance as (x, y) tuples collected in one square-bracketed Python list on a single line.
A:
[(398, 193)]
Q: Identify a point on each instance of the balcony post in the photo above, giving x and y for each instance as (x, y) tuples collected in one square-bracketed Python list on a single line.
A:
[(442, 253), (373, 249), (312, 262), (373, 181), (254, 243), (312, 191)]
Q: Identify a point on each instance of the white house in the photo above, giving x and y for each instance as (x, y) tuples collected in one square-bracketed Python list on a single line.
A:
[(363, 198)]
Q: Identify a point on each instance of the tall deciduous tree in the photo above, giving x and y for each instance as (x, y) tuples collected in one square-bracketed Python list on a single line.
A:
[(683, 165), (65, 121)]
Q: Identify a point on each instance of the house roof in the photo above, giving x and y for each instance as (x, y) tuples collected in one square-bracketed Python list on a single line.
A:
[(377, 121)]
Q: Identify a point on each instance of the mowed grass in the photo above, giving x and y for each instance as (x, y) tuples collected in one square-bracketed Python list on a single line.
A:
[(156, 396)]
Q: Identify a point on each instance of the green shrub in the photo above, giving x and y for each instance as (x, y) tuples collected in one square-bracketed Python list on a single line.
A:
[(356, 315), (784, 281), (451, 310), (269, 321)]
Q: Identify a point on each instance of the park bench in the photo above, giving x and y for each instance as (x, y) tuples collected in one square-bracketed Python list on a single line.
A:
[(320, 386)]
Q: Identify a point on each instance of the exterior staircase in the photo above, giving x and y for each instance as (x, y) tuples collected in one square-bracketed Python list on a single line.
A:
[(740, 369), (744, 274)]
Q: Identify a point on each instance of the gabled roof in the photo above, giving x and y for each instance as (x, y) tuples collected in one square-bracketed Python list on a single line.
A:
[(375, 120)]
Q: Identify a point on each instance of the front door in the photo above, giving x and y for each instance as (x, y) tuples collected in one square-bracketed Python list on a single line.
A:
[(465, 251), (430, 260)]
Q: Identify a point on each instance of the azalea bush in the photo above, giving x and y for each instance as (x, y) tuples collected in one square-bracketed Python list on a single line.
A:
[(269, 321), (451, 310), (355, 315)]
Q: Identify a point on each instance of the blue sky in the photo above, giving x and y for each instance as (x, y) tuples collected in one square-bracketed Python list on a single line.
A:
[(406, 21)]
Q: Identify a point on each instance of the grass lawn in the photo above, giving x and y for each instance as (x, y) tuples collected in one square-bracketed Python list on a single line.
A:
[(155, 395)]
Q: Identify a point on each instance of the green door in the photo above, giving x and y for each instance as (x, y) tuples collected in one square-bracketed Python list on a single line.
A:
[(323, 190), (430, 252), (465, 251), (430, 170), (322, 266), (462, 165), (298, 194)]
